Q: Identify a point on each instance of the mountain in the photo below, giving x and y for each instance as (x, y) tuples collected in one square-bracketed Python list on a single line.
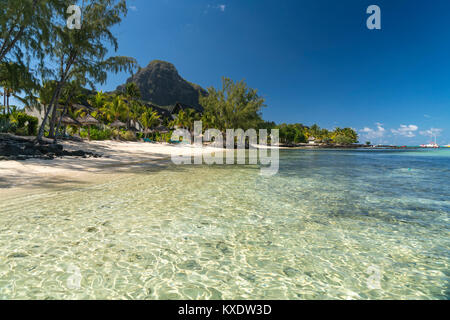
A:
[(161, 84)]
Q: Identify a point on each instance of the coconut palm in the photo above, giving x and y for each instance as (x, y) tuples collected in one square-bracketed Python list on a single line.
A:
[(191, 117), (115, 109), (98, 101), (132, 93), (185, 119), (149, 119), (136, 110), (180, 120)]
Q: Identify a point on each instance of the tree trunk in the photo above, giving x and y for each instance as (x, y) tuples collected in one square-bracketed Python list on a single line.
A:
[(51, 132), (59, 124), (55, 97), (60, 118), (44, 120), (89, 132)]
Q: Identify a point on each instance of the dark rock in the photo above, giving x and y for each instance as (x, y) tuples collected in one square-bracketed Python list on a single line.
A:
[(17, 148), (161, 84), (10, 149)]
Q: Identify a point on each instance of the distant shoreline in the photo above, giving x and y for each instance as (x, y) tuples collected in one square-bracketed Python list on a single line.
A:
[(340, 147)]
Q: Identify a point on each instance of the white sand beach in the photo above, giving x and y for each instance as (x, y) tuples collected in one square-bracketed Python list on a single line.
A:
[(116, 157)]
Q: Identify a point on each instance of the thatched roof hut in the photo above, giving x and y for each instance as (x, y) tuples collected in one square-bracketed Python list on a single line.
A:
[(89, 121), (68, 121), (77, 106), (117, 124)]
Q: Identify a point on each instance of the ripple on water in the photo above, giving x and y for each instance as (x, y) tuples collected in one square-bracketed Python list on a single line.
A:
[(317, 230)]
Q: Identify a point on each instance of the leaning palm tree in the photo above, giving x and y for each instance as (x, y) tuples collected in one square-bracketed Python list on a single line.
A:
[(149, 119)]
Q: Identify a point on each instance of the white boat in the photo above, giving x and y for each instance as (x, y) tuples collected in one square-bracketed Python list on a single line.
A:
[(431, 144)]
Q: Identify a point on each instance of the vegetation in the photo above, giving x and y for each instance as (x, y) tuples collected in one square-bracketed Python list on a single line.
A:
[(67, 61), (18, 122), (81, 53), (149, 119), (298, 133), (234, 106)]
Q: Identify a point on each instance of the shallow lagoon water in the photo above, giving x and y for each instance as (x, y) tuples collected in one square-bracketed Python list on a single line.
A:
[(330, 225)]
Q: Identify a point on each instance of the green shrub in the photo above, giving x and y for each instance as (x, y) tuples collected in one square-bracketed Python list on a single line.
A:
[(128, 136), (97, 134), (342, 139), (21, 132), (6, 126), (26, 124)]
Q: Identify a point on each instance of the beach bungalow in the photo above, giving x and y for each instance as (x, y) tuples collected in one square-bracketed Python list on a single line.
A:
[(311, 140)]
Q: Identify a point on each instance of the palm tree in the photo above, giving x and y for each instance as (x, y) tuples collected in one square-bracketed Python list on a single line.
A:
[(136, 110), (180, 120), (191, 117), (98, 101), (15, 78), (132, 93), (149, 119), (8, 92), (185, 119), (115, 110)]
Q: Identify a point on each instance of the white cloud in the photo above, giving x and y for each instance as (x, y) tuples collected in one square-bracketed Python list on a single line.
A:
[(133, 8), (406, 131), (369, 133), (221, 7), (431, 132)]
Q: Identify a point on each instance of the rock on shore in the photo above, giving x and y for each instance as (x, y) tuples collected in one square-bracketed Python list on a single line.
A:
[(18, 148)]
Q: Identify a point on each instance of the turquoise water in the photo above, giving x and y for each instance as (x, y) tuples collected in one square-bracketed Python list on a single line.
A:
[(331, 225)]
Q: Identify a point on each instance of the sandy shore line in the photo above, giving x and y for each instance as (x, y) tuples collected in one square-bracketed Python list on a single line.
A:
[(116, 157)]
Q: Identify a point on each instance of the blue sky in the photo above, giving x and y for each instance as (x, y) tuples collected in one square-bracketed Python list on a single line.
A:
[(314, 61)]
